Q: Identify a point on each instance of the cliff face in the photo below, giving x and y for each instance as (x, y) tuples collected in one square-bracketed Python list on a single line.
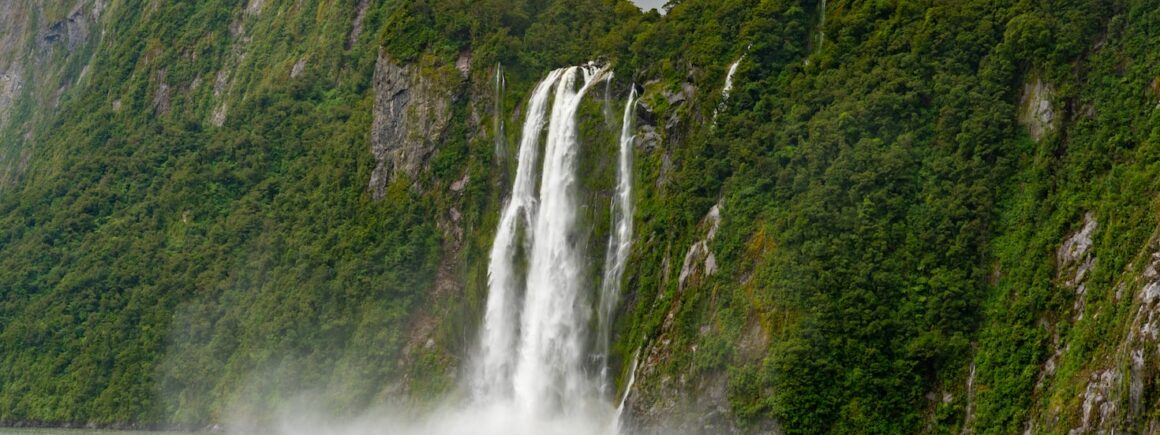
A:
[(941, 220), (411, 115), (44, 52)]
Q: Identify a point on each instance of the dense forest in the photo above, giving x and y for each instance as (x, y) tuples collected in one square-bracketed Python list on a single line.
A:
[(905, 216)]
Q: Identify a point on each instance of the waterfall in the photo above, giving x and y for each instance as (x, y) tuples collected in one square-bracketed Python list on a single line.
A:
[(618, 421), (821, 24), (500, 84), (725, 90), (620, 241), (729, 78), (533, 369), (549, 371), (496, 361), (609, 117)]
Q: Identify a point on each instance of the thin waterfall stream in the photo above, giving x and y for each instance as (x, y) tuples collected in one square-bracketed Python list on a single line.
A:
[(619, 242)]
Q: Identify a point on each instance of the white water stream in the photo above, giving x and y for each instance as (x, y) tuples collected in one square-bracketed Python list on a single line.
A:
[(535, 344), (496, 360), (500, 134), (533, 372), (549, 376), (620, 241)]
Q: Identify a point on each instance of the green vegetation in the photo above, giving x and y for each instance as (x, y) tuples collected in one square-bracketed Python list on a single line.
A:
[(888, 228)]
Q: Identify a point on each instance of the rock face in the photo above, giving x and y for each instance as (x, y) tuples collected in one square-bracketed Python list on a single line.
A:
[(15, 24), (1113, 397), (1156, 90), (70, 32), (1035, 110), (700, 259), (10, 85), (411, 115), (36, 46), (1074, 261)]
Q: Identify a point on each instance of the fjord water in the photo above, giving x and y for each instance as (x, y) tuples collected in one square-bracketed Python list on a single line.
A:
[(54, 431)]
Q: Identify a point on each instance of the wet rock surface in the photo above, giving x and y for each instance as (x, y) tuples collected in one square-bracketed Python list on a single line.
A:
[(411, 114)]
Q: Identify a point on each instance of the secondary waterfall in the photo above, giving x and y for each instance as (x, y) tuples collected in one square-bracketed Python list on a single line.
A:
[(821, 24), (725, 90), (500, 84), (618, 421), (620, 241)]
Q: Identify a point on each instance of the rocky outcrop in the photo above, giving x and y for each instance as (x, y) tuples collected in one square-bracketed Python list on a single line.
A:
[(69, 33), (663, 403), (357, 26), (1156, 90), (36, 46), (254, 7), (162, 95), (1119, 390), (1074, 261), (700, 260), (298, 68), (10, 85), (411, 115), (1035, 110)]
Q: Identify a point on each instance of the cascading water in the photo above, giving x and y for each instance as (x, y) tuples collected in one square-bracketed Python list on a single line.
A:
[(500, 84), (729, 78), (725, 90), (821, 24), (496, 360), (618, 421), (532, 371), (530, 375), (609, 117), (549, 371), (620, 241)]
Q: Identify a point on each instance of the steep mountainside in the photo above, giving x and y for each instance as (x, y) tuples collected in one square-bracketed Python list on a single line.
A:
[(850, 216)]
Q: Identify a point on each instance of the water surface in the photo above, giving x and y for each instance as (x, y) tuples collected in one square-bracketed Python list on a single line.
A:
[(23, 431)]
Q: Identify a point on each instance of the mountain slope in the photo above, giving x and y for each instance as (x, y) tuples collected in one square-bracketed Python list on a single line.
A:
[(905, 216)]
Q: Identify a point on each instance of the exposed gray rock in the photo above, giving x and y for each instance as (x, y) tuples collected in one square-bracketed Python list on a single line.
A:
[(1035, 110), (1074, 260), (463, 64), (161, 97), (461, 184), (700, 259), (70, 32), (411, 115), (356, 29), (218, 118), (298, 68), (969, 418), (647, 138), (11, 84), (220, 82), (1099, 403), (255, 7), (1077, 246)]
